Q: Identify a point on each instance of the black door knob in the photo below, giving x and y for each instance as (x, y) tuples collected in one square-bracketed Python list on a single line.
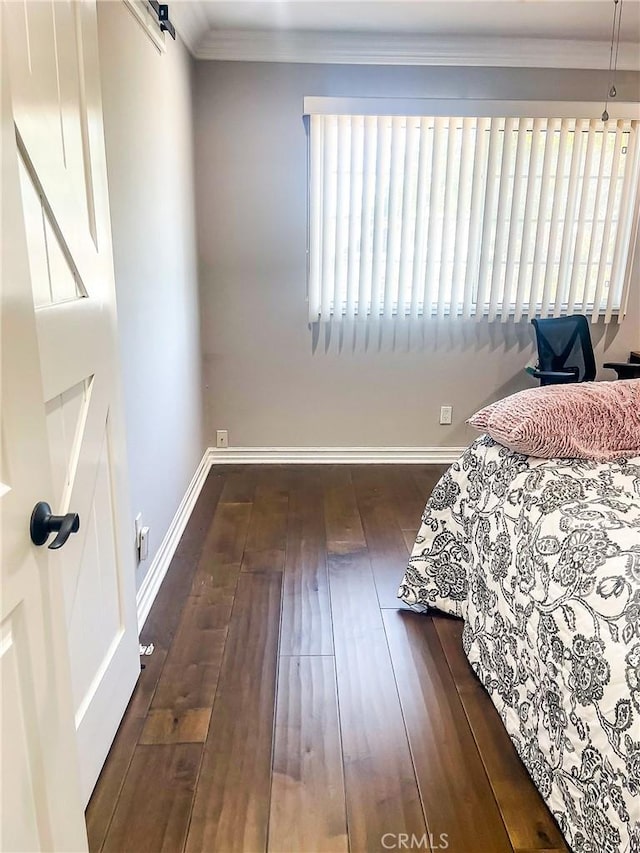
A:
[(43, 524)]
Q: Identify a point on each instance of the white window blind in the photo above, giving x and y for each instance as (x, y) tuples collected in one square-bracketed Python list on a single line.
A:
[(498, 216)]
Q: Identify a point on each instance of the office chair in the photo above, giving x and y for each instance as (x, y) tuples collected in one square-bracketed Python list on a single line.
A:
[(565, 352)]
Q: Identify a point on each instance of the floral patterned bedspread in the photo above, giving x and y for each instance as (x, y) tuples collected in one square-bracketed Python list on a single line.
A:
[(541, 558)]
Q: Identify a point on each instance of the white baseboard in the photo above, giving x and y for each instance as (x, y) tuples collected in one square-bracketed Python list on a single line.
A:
[(158, 568), (276, 456), (334, 455)]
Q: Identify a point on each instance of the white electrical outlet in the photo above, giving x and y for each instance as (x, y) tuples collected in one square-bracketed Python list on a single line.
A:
[(222, 438), (142, 538), (143, 543), (446, 413)]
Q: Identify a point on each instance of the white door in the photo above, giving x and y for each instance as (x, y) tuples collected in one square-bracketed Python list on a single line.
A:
[(54, 75), (41, 805)]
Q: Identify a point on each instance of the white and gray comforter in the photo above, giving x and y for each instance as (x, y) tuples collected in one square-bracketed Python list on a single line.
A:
[(541, 558)]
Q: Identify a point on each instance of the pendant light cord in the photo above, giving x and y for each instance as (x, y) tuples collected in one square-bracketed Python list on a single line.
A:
[(613, 63)]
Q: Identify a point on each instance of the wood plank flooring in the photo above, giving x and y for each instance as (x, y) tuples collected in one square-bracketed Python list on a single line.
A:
[(292, 705)]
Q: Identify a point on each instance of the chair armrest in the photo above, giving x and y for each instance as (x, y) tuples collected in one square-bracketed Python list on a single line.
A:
[(624, 369), (556, 377)]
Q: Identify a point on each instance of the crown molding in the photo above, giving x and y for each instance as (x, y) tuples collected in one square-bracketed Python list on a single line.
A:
[(190, 21), (395, 49)]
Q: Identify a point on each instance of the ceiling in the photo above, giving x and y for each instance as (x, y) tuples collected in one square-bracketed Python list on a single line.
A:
[(209, 21)]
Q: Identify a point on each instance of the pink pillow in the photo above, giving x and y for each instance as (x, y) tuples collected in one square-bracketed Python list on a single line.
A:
[(586, 420)]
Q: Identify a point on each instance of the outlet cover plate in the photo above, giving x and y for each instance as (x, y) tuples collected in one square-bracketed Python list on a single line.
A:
[(446, 413)]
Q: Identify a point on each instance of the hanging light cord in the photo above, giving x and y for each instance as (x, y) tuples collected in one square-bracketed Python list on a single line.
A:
[(613, 63)]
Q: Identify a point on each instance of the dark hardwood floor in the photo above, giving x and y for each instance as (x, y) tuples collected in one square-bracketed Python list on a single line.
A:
[(292, 704)]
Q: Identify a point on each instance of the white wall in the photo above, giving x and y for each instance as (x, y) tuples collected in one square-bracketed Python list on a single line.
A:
[(147, 100), (266, 380)]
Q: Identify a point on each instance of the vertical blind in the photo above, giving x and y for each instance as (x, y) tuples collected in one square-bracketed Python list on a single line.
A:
[(498, 217)]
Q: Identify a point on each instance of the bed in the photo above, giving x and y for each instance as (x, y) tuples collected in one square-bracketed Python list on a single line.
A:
[(541, 559)]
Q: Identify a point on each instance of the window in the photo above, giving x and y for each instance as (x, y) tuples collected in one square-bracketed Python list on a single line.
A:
[(494, 215)]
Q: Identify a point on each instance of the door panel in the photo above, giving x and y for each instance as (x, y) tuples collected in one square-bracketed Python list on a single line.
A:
[(53, 112), (93, 633), (53, 275), (58, 121), (66, 417)]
